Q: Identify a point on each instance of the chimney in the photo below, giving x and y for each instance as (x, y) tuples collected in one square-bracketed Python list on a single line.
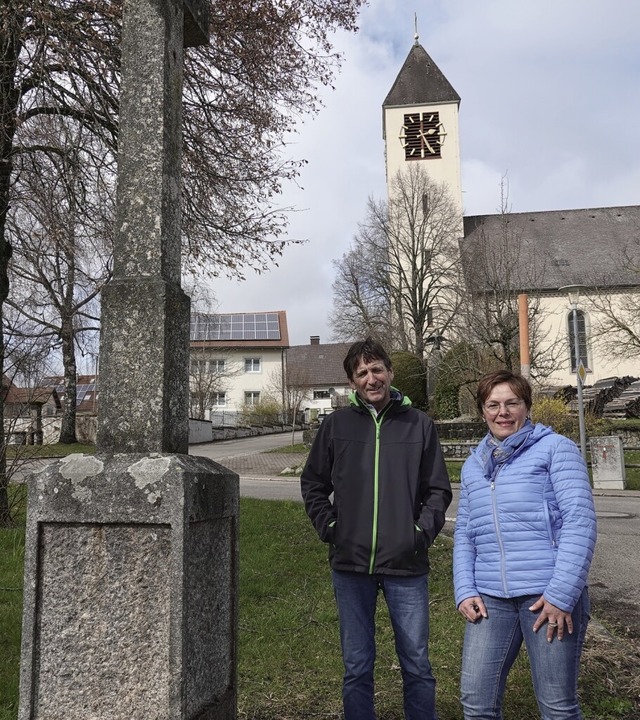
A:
[(315, 339)]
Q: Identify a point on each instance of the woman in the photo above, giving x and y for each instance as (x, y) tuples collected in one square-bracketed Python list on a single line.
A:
[(524, 538)]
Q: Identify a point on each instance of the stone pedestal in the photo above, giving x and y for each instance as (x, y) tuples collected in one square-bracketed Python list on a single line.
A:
[(607, 462), (131, 579)]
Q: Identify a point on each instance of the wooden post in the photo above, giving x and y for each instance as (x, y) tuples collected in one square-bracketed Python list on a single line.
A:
[(523, 323)]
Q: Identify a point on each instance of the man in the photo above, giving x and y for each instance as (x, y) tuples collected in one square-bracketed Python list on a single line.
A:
[(382, 461)]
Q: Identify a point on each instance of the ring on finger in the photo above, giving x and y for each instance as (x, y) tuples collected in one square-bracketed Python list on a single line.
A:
[(552, 624)]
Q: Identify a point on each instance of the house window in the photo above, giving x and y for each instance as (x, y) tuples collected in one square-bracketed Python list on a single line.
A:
[(252, 365), (582, 340), (251, 397), (219, 399), (217, 366), (321, 394)]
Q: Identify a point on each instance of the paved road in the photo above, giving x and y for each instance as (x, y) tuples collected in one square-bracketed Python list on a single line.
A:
[(615, 573)]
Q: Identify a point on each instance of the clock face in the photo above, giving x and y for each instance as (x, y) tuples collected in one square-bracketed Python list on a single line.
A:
[(422, 135)]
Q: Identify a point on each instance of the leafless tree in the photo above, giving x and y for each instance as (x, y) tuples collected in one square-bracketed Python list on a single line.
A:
[(210, 368), (498, 268), (402, 272), (292, 387), (208, 377), (615, 316), (361, 302), (61, 235)]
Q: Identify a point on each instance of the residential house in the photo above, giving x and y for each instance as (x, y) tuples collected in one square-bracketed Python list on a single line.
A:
[(30, 414), (236, 363), (86, 392), (316, 372), (87, 396)]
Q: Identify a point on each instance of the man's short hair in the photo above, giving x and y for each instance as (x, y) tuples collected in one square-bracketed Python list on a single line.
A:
[(367, 350)]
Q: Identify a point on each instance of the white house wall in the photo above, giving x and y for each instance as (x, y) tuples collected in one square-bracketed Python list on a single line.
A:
[(265, 382), (235, 381), (321, 406)]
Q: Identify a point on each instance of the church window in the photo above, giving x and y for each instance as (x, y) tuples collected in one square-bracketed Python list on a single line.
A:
[(582, 340)]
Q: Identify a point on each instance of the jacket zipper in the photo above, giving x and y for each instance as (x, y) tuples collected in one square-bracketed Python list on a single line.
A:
[(376, 468), (494, 505)]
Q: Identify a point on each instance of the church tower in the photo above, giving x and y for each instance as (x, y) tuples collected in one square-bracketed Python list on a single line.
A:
[(420, 123), (424, 223)]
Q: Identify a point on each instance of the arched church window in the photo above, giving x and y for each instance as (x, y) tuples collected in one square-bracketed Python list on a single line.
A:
[(582, 340)]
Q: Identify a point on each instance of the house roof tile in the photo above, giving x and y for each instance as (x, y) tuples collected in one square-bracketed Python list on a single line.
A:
[(322, 364)]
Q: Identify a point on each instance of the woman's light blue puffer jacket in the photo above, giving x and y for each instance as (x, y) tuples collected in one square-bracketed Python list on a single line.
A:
[(530, 528)]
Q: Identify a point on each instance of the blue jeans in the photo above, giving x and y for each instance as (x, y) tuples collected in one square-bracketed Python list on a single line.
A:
[(408, 601), (491, 646)]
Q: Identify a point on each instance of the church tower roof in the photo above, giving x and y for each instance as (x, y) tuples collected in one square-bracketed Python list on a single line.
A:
[(420, 82)]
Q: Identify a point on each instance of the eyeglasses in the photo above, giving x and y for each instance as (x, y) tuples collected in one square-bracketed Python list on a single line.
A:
[(510, 406)]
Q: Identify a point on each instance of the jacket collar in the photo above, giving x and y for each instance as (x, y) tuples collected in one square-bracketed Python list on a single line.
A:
[(398, 401)]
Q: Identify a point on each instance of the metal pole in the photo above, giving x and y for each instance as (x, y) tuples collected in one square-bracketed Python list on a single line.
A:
[(576, 346)]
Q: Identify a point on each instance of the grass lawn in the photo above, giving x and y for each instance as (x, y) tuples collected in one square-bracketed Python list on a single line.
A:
[(289, 654), (29, 452)]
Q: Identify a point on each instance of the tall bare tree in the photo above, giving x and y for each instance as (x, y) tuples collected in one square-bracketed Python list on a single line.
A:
[(61, 234), (209, 374), (403, 271), (498, 268), (291, 386)]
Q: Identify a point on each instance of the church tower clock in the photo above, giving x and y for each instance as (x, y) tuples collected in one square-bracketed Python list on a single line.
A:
[(420, 123)]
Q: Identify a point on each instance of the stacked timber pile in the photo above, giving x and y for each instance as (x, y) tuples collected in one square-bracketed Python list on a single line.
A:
[(627, 404)]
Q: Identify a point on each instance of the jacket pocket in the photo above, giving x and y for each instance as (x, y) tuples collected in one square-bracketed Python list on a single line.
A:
[(420, 539), (330, 536), (548, 521)]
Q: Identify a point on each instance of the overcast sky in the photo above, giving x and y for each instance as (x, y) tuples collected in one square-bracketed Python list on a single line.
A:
[(550, 95)]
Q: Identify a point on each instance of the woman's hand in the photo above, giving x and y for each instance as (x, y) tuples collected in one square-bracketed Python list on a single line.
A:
[(473, 609), (557, 620)]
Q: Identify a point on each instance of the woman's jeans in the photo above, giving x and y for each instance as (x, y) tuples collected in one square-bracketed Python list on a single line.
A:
[(408, 601), (490, 649)]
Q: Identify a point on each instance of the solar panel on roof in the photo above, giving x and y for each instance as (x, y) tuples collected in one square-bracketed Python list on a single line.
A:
[(241, 326)]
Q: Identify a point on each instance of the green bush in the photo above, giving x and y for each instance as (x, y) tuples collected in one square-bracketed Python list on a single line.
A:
[(555, 413), (445, 401), (266, 412), (458, 369)]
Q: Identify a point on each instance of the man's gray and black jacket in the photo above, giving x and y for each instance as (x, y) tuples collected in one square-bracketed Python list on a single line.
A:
[(390, 487)]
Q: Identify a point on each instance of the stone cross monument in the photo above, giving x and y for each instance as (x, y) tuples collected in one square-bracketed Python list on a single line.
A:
[(131, 559)]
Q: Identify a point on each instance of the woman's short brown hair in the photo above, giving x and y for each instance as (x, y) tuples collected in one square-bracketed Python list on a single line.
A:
[(517, 383)]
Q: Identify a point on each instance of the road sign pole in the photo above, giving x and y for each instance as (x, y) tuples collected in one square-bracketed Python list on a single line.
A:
[(579, 381)]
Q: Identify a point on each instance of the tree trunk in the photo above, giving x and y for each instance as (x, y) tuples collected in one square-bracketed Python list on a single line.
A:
[(8, 109), (68, 429)]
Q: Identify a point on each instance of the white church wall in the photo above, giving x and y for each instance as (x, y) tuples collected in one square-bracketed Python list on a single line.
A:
[(556, 312)]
